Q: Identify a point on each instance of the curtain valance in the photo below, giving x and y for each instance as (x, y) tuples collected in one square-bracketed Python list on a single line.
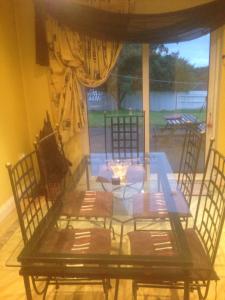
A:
[(167, 27)]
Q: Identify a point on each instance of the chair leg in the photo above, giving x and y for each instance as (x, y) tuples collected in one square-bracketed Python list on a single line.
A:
[(203, 296), (135, 225), (158, 182), (108, 283), (27, 287), (104, 223), (45, 293), (186, 290), (106, 286), (106, 295), (121, 238), (116, 289), (124, 193), (39, 291), (112, 229), (68, 225), (56, 284), (103, 187), (134, 290)]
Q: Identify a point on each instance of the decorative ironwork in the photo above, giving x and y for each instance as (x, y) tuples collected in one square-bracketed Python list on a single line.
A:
[(203, 238), (189, 161), (127, 134), (210, 212), (31, 206)]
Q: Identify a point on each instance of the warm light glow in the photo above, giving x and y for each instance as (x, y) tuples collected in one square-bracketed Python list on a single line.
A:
[(119, 169)]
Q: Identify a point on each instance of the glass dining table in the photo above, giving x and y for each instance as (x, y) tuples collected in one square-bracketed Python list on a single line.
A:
[(108, 254)]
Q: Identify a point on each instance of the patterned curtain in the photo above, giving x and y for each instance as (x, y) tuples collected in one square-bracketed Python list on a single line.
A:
[(76, 61)]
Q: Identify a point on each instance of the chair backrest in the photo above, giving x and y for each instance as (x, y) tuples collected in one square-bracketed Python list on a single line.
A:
[(31, 206), (126, 132), (210, 212), (189, 161), (53, 163)]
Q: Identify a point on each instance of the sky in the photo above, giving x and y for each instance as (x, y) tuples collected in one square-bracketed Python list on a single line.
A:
[(195, 51)]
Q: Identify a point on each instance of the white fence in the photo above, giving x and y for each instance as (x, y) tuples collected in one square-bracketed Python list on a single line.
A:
[(158, 100)]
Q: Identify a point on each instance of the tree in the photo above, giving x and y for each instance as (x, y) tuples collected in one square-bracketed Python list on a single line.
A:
[(168, 72), (126, 75), (129, 71), (201, 78)]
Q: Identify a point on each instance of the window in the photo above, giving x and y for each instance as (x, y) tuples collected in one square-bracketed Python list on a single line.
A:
[(178, 84), (121, 93)]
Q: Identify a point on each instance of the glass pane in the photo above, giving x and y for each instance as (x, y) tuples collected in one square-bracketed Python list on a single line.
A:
[(178, 94), (120, 94)]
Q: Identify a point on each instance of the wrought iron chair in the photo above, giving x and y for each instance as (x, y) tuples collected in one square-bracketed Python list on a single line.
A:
[(124, 142), (124, 134), (152, 205), (38, 218), (31, 206), (203, 238), (75, 204)]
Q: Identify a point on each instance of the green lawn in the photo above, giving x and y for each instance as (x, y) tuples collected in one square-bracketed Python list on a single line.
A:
[(96, 118)]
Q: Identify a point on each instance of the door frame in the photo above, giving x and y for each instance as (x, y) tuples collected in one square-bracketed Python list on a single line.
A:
[(216, 38)]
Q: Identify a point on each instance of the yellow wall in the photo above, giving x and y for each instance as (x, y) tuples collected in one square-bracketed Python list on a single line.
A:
[(35, 77), (13, 120), (35, 80), (24, 97), (220, 130)]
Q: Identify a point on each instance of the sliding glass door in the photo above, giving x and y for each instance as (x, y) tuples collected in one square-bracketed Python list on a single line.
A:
[(178, 94), (177, 78), (121, 94)]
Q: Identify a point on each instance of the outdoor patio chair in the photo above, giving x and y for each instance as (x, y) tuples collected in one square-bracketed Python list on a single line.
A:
[(152, 205), (203, 238), (38, 218)]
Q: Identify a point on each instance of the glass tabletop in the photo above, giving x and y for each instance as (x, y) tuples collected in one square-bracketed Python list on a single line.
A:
[(138, 191), (137, 183)]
